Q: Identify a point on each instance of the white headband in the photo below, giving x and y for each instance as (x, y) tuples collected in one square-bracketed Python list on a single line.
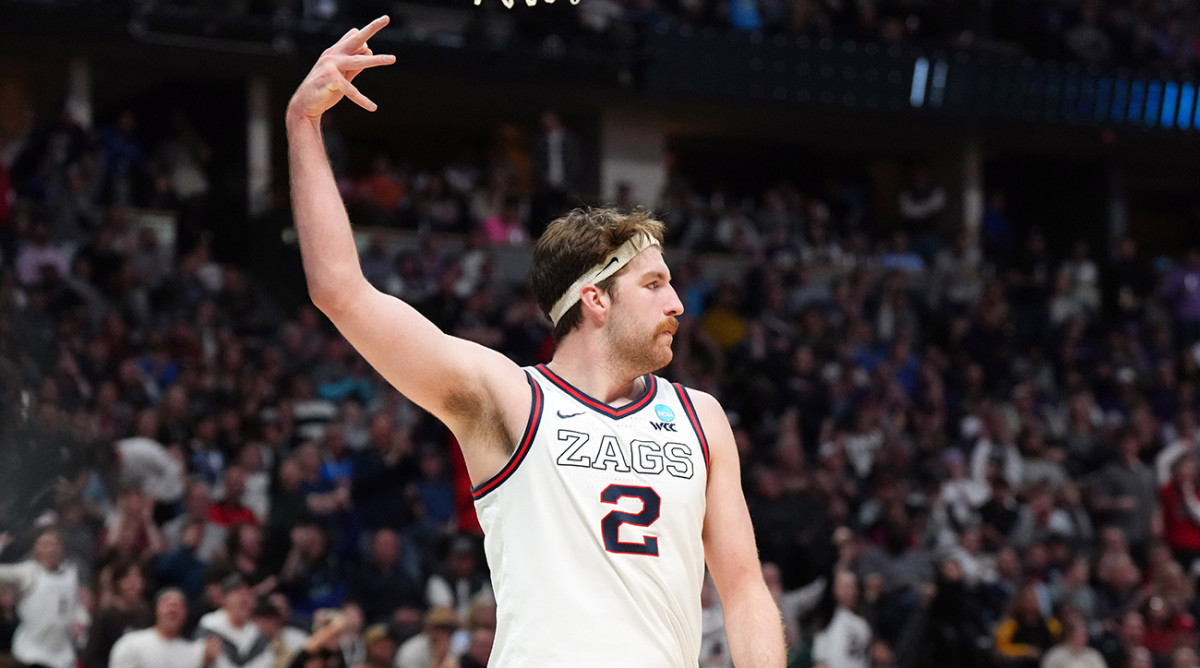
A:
[(611, 265)]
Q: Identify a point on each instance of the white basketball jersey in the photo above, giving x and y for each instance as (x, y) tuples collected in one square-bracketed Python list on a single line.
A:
[(593, 531)]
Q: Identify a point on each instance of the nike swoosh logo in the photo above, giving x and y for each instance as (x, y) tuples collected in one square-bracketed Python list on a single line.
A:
[(611, 263), (568, 415)]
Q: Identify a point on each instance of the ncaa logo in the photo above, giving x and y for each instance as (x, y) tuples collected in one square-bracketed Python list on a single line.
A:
[(664, 412)]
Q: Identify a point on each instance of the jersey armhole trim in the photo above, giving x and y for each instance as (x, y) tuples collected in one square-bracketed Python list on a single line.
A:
[(535, 418), (694, 418)]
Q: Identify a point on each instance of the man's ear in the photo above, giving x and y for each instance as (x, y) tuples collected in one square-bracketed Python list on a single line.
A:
[(594, 301)]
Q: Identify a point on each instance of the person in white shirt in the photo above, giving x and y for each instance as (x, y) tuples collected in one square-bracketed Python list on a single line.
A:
[(149, 465), (243, 644), (1073, 651), (162, 644), (846, 641), (430, 647), (52, 617)]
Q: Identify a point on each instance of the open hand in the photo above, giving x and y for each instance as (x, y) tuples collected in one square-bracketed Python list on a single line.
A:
[(330, 78)]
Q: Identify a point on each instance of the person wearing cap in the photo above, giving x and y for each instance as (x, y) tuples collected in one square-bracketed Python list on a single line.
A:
[(430, 647), (163, 644), (381, 647), (243, 644), (604, 492)]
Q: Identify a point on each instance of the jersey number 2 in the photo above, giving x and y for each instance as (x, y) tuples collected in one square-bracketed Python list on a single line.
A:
[(610, 526)]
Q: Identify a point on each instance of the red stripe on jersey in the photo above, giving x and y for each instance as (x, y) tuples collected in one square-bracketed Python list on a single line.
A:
[(535, 417), (599, 406), (694, 419)]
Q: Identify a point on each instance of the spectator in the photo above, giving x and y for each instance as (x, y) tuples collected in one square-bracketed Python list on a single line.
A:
[(387, 586), (955, 615), (321, 650), (163, 643), (230, 509), (130, 532), (481, 615), (844, 641), (1074, 590), (1181, 289), (1073, 651), (506, 226), (52, 616), (1181, 511), (243, 644), (479, 649), (995, 451), (714, 646), (38, 256), (460, 578), (559, 162), (1025, 635), (183, 158), (431, 646), (922, 205), (381, 647), (244, 555), (383, 473), (961, 496), (181, 567), (124, 160), (382, 192), (1119, 642), (283, 641), (122, 610), (153, 468), (311, 576), (1124, 493), (196, 503)]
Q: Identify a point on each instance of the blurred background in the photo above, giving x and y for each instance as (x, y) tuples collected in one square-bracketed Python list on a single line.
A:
[(940, 260)]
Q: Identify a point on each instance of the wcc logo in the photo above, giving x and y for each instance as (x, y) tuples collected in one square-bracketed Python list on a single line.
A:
[(667, 416)]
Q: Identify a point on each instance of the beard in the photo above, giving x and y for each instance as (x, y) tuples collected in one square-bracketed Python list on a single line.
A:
[(633, 348)]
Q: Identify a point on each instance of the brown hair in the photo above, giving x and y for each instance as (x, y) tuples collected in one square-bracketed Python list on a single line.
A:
[(577, 242)]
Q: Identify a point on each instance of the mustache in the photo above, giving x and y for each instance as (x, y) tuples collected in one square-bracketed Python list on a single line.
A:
[(671, 325)]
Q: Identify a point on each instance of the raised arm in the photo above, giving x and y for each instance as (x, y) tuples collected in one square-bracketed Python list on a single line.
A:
[(753, 624), (19, 575), (481, 395)]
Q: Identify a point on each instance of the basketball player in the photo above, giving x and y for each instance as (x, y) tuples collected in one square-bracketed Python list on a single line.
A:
[(602, 489), (52, 617)]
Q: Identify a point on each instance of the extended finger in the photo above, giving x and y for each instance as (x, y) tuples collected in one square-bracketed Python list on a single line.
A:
[(356, 97), (368, 31), (363, 62)]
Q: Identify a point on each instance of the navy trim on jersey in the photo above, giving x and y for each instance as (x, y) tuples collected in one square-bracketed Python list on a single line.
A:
[(599, 406), (535, 418), (694, 418)]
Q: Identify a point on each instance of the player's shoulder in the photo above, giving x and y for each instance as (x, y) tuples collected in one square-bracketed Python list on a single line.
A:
[(707, 406)]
